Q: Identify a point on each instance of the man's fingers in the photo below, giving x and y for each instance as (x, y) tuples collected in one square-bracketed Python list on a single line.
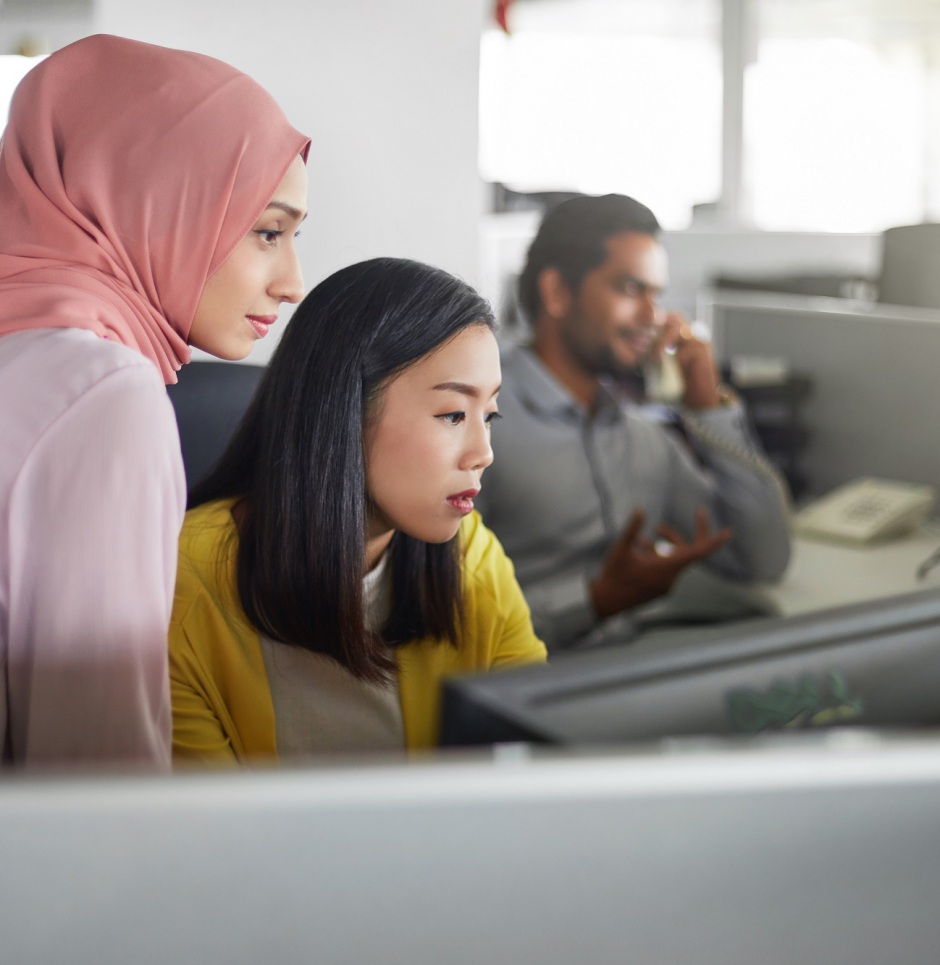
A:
[(702, 523), (670, 333), (673, 535), (720, 538), (632, 529), (704, 547)]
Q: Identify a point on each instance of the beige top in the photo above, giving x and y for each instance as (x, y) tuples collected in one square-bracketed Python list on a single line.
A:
[(321, 708)]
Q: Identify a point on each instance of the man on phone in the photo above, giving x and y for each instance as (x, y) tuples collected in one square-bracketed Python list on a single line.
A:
[(599, 507)]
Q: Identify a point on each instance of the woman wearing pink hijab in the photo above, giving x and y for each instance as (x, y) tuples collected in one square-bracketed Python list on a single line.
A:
[(149, 200)]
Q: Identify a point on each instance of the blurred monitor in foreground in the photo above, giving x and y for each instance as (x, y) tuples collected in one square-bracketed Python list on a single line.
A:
[(875, 664), (813, 848)]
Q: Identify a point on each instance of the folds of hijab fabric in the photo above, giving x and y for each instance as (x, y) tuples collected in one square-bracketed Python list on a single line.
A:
[(128, 173)]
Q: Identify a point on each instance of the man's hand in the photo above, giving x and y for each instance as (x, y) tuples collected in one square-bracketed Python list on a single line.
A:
[(634, 572), (696, 363)]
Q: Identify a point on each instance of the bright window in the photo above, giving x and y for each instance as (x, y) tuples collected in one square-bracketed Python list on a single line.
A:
[(837, 129), (602, 95), (841, 109)]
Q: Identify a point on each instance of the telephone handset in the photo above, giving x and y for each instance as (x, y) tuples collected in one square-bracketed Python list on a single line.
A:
[(663, 380), (866, 510), (663, 376)]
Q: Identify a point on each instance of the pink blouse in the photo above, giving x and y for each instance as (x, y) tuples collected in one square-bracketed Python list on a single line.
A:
[(92, 496)]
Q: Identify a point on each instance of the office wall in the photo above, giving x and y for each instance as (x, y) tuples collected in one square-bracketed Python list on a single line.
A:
[(387, 91)]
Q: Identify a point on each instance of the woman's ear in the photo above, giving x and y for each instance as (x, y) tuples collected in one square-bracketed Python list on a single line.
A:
[(554, 294)]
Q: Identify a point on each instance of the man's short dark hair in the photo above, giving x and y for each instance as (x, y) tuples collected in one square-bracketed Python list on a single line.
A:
[(573, 236)]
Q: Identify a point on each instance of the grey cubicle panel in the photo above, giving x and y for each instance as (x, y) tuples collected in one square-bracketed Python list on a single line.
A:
[(910, 266), (874, 406), (818, 851)]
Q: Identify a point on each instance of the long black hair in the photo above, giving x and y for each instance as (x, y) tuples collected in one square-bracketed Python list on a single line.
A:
[(297, 466)]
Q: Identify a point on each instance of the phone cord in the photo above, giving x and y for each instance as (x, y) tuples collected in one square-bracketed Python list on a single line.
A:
[(747, 455)]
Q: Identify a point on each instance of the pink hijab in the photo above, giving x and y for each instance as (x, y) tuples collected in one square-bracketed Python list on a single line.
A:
[(128, 174)]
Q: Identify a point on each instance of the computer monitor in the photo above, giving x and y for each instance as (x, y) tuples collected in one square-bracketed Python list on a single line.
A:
[(808, 848), (875, 664)]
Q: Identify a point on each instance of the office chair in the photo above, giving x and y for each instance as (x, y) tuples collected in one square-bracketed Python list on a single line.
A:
[(210, 399), (909, 262)]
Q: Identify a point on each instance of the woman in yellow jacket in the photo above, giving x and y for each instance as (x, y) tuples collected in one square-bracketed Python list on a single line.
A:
[(333, 570)]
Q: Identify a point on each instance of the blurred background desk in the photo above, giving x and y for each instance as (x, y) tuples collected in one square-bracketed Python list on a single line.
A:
[(828, 574)]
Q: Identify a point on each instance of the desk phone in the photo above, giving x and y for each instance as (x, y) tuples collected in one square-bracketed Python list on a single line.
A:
[(865, 511)]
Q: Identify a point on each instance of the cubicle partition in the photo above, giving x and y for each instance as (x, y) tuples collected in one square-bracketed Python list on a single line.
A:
[(874, 404)]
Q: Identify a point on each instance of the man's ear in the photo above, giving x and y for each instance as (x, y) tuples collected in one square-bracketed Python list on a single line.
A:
[(554, 293)]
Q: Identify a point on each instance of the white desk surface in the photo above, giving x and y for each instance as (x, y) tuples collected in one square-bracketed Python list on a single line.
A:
[(820, 575), (823, 574)]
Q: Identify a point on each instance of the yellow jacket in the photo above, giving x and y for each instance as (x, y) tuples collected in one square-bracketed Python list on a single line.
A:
[(222, 706)]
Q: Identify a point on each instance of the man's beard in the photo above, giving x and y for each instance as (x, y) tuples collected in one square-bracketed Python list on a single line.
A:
[(597, 360)]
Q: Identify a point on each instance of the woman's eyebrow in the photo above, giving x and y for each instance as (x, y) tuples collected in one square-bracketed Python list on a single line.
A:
[(289, 209), (463, 388)]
